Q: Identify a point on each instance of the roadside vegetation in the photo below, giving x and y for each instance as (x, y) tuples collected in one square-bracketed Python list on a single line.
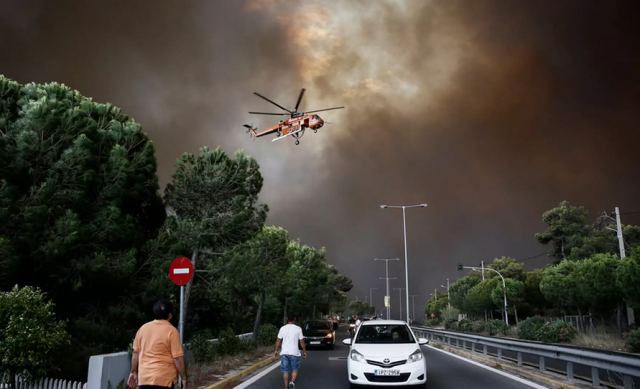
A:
[(83, 222), (581, 297)]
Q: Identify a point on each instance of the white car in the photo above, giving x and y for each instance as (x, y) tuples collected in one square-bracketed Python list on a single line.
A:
[(386, 353)]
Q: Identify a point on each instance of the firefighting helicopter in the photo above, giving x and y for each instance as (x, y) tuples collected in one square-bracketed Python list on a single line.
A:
[(293, 126)]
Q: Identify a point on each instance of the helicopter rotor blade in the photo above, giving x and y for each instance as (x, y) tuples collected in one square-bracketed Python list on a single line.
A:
[(272, 102), (299, 99), (325, 109), (269, 113)]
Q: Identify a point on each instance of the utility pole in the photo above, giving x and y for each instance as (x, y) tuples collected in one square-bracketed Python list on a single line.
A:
[(400, 296), (619, 232), (630, 314), (482, 266), (387, 297)]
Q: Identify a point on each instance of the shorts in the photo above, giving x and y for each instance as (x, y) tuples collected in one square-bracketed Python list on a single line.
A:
[(289, 363)]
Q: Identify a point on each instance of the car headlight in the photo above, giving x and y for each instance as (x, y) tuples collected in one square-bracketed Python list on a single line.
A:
[(356, 356), (415, 356), (329, 335)]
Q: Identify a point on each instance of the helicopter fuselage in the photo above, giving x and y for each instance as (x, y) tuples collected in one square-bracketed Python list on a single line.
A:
[(294, 124)]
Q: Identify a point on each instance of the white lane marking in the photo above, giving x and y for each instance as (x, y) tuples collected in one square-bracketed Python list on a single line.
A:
[(257, 376), (181, 270), (502, 373)]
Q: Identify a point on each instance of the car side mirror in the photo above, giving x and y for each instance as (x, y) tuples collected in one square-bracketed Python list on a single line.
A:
[(347, 341), (422, 341)]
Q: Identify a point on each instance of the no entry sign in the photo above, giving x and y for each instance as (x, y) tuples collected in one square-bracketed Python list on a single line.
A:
[(181, 271)]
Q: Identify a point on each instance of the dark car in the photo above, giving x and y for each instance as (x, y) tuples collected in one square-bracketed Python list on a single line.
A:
[(319, 333)]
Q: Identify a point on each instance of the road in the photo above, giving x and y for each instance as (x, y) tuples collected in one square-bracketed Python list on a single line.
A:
[(327, 369)]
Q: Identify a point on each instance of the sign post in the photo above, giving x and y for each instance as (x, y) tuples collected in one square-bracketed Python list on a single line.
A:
[(180, 273)]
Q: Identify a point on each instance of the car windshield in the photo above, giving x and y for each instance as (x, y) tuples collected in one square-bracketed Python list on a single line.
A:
[(316, 325), (389, 333)]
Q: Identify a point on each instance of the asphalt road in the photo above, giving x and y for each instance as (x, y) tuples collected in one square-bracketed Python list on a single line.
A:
[(327, 369)]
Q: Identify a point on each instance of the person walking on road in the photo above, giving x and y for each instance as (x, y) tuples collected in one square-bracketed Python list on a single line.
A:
[(289, 337), (158, 357)]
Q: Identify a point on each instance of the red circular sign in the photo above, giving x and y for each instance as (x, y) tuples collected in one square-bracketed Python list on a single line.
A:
[(181, 271)]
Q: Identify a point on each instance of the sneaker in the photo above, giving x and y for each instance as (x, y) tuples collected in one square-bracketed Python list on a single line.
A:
[(292, 385)]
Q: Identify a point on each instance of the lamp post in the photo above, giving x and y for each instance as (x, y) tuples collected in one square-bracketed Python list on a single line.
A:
[(387, 296), (404, 224), (504, 287)]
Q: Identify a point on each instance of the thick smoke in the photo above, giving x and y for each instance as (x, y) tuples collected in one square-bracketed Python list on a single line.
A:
[(491, 112)]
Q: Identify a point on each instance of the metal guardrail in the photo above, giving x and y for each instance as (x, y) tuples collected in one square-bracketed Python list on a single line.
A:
[(627, 365)]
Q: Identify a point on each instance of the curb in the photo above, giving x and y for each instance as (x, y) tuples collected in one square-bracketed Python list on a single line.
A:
[(230, 381)]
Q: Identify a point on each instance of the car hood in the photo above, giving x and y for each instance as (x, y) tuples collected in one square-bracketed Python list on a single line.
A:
[(386, 350)]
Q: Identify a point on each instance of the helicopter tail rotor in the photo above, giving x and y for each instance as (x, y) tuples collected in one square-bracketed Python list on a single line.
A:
[(250, 130)]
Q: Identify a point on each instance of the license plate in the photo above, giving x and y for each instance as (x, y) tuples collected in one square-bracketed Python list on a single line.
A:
[(315, 342), (385, 372)]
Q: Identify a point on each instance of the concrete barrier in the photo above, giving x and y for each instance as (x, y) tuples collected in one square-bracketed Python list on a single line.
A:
[(107, 371)]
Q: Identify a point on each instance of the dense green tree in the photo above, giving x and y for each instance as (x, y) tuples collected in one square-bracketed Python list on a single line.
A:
[(29, 334), (435, 306), (78, 200), (478, 299), (559, 286), (459, 289), (628, 277), (566, 229), (212, 203), (596, 283), (515, 295), (533, 297), (256, 266), (508, 267)]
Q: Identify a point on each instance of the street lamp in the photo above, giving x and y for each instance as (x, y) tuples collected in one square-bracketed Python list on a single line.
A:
[(404, 224), (387, 296), (504, 289)]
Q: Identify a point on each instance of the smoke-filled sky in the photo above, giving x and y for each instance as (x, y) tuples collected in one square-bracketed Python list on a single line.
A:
[(492, 112)]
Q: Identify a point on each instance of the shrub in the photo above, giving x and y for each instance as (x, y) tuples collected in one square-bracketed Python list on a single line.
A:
[(267, 334), (200, 346), (449, 313), (495, 327), (464, 325), (556, 332), (29, 333), (433, 322), (451, 324), (478, 326), (228, 342), (528, 328), (633, 341)]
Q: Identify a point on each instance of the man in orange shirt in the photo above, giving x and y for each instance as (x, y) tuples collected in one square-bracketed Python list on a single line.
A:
[(158, 357)]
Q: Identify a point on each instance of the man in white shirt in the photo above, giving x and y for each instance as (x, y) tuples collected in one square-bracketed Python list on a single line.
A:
[(289, 336)]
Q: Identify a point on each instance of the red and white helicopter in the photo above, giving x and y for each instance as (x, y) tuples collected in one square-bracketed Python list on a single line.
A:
[(293, 126)]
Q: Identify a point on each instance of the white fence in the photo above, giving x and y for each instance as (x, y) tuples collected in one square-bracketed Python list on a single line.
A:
[(49, 383)]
